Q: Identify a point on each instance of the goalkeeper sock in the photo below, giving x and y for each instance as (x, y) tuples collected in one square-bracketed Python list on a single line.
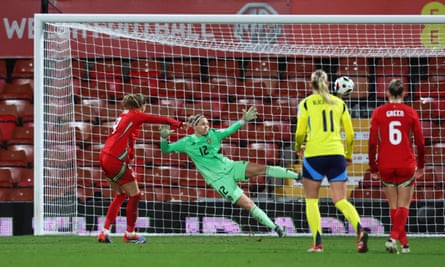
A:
[(350, 213), (113, 210), (132, 212), (280, 172), (262, 217), (314, 219)]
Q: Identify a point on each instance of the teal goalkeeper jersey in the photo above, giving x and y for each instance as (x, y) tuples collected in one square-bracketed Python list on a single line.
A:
[(205, 151)]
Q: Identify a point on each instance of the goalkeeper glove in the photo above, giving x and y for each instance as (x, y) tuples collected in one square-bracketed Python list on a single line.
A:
[(165, 131), (250, 114)]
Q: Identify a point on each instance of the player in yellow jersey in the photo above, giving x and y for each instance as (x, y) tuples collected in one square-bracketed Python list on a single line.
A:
[(320, 119)]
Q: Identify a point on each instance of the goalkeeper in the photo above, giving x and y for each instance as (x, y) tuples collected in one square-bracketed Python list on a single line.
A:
[(220, 172)]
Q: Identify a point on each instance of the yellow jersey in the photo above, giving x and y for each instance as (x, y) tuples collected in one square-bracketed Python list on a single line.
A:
[(319, 124)]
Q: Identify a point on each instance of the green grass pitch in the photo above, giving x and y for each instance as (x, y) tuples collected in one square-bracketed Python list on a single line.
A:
[(214, 251)]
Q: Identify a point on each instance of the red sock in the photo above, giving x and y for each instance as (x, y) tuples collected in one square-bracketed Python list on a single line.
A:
[(403, 214), (393, 234), (132, 212), (114, 209)]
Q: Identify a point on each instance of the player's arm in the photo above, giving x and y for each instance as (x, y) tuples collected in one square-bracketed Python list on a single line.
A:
[(248, 115), (301, 130), (420, 141), (349, 132), (372, 143), (167, 147), (149, 118)]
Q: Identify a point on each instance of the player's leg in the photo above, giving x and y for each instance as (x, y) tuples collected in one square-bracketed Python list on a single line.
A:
[(311, 191), (112, 212), (401, 215), (255, 169), (134, 194), (245, 202), (391, 196)]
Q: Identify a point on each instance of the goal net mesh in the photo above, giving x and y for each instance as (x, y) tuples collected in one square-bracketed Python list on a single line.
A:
[(219, 69)]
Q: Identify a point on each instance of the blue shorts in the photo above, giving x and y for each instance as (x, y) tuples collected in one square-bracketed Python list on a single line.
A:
[(332, 167)]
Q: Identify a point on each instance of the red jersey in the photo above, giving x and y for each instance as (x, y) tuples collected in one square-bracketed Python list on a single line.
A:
[(392, 126), (126, 130)]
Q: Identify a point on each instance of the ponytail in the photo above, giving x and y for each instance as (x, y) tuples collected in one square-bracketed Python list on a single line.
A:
[(319, 80)]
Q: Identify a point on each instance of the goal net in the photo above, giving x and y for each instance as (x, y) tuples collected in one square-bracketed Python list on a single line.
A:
[(219, 65)]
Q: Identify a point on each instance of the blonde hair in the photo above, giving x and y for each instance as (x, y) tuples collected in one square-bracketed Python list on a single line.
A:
[(194, 119), (319, 80), (133, 101)]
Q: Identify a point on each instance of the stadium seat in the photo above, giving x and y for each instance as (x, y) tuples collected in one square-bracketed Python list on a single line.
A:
[(89, 157), (264, 153), (25, 178), (223, 68), (353, 66), (61, 156), (27, 148), (9, 158), (5, 178), (256, 87), (82, 132), (170, 159), (177, 88), (367, 182), (95, 89), (300, 67), (22, 135), (436, 65), (99, 133), (433, 87), (184, 68), (295, 87), (86, 113), (173, 175), (261, 68), (393, 66), (429, 108), (4, 194), (382, 82), (212, 109), (266, 131), (235, 152), (23, 68), (17, 92), (109, 112), (146, 68), (367, 193), (91, 177), (8, 120), (361, 85), (107, 69), (80, 68), (21, 194), (2, 141), (3, 70)]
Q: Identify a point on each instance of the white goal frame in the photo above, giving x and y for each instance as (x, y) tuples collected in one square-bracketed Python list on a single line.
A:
[(41, 19)]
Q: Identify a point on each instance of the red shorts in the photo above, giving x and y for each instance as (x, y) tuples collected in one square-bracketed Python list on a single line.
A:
[(398, 177), (116, 170)]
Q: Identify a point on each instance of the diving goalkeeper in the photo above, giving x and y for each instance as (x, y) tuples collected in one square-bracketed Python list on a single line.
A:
[(220, 172)]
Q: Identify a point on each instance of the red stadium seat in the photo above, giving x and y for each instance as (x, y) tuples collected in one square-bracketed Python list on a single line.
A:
[(176, 194), (3, 71), (23, 68), (8, 120), (227, 68), (100, 133), (300, 67), (353, 66), (368, 193), (86, 113), (22, 135), (211, 109), (183, 68), (10, 158), (436, 65), (17, 92), (256, 87), (361, 85), (5, 178), (296, 87), (21, 194), (262, 68), (264, 153), (25, 177), (27, 148), (235, 152), (4, 194), (434, 87), (382, 81), (392, 66)]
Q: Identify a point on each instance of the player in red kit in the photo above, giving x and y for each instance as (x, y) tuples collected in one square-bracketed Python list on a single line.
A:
[(392, 127), (116, 158)]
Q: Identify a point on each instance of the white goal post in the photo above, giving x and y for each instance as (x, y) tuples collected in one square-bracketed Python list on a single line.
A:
[(219, 65)]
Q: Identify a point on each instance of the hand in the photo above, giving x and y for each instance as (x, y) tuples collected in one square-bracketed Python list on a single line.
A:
[(165, 131), (250, 114)]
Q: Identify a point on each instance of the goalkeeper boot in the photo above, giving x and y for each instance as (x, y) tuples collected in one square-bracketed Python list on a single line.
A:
[(362, 241), (103, 237), (316, 248), (280, 231), (134, 238), (391, 246)]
